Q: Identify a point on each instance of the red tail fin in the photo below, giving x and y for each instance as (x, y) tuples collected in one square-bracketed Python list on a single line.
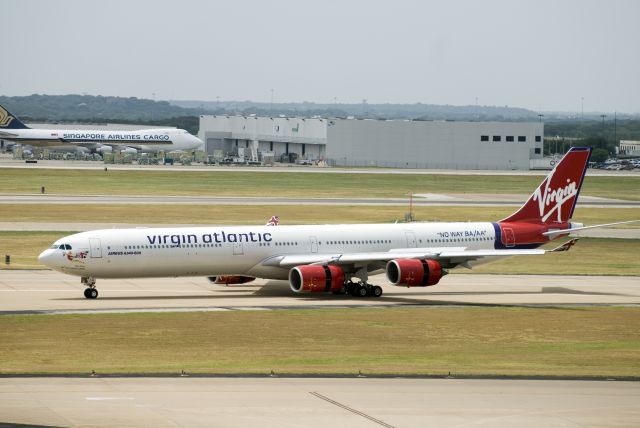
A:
[(555, 199)]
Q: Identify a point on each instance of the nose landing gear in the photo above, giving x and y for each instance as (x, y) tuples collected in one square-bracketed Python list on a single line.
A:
[(91, 292)]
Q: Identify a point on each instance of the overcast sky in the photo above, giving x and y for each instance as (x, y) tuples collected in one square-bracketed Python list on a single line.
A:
[(538, 54)]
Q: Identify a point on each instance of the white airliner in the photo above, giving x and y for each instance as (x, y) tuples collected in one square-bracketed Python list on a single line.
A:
[(145, 140), (327, 258)]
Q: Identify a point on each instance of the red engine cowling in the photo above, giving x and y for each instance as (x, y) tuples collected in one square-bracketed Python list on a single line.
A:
[(316, 278), (414, 272), (230, 279)]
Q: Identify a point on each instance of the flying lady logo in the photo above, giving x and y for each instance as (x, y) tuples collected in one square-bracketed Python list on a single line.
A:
[(5, 118), (554, 198), (76, 256)]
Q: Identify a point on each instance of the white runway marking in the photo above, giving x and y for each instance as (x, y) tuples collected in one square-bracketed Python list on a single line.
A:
[(108, 398)]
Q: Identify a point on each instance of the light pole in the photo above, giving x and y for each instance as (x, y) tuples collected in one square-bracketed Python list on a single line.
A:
[(540, 116), (410, 206), (603, 136)]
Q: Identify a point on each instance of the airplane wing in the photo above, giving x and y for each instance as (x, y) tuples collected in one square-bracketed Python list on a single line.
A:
[(454, 255)]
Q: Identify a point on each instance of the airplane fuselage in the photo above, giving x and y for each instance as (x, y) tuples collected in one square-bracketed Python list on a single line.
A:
[(210, 251), (145, 139)]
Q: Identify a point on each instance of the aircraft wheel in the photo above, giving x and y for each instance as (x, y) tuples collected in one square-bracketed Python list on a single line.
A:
[(376, 290), (86, 293), (93, 293), (350, 288), (362, 291)]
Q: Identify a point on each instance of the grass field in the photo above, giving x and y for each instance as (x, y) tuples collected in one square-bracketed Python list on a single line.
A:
[(24, 247), (286, 184), (499, 341), (590, 256), (289, 214), (585, 258)]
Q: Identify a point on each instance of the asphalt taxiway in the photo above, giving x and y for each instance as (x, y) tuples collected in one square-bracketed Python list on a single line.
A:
[(425, 199), (45, 291), (317, 402), (7, 162)]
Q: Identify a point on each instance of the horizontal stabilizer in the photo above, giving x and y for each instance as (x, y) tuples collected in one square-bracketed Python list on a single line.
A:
[(553, 233), (7, 135), (566, 246)]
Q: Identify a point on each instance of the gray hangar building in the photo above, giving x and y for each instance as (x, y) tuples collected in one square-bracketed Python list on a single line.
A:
[(376, 143)]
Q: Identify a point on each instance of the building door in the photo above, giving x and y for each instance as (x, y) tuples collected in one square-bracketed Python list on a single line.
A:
[(96, 248)]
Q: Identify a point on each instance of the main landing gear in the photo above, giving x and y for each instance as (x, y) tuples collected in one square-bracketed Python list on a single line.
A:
[(362, 289), (91, 292)]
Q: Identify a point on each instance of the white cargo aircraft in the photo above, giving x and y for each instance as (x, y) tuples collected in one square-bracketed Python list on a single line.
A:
[(145, 140), (327, 258)]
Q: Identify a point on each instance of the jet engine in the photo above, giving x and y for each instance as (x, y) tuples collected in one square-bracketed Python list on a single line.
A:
[(414, 272), (316, 278), (230, 279), (104, 149), (128, 151)]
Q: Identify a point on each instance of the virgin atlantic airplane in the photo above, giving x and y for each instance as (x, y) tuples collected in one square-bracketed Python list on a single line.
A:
[(328, 258)]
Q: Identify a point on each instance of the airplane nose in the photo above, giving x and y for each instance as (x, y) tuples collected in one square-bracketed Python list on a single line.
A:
[(46, 257), (198, 142)]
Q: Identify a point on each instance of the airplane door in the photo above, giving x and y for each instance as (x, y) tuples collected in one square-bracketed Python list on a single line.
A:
[(96, 248), (509, 237), (238, 249), (411, 239), (314, 244)]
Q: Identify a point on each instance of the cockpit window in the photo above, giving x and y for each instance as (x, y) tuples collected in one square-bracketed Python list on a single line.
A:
[(63, 247)]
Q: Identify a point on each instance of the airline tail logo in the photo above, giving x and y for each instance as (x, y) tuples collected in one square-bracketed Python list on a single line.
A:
[(546, 196), (555, 198), (5, 117)]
